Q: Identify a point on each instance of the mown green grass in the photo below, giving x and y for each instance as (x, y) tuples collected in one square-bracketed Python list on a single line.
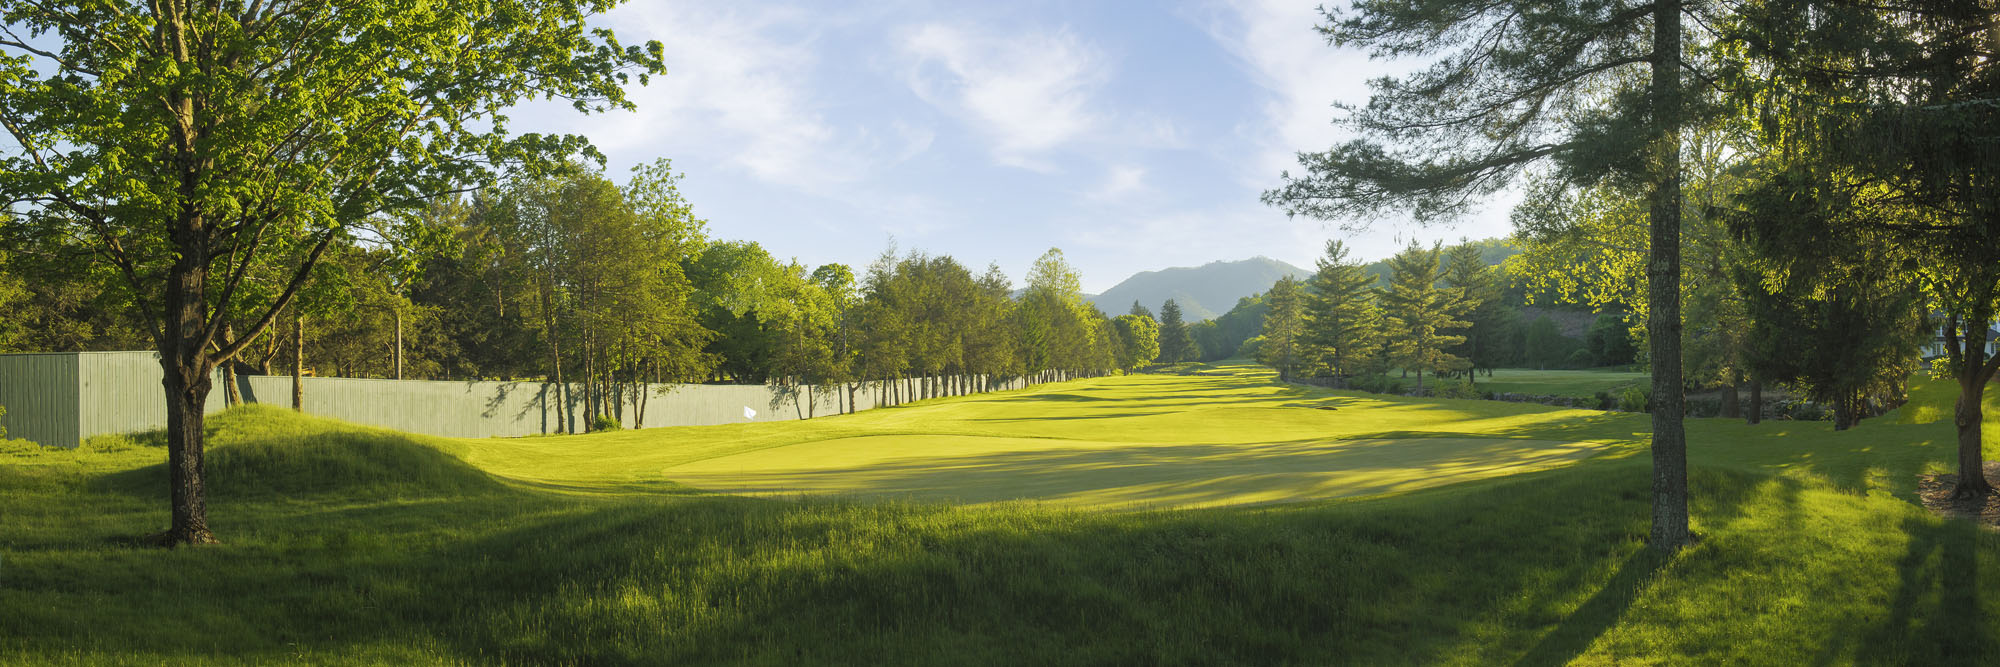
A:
[(1582, 384), (346, 545)]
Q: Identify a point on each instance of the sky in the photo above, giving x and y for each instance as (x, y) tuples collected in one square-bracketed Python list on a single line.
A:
[(1132, 135)]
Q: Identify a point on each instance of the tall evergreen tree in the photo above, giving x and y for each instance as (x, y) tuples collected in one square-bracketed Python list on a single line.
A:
[(1140, 310), (1342, 320), (1176, 341), (1595, 87), (1284, 328), (1465, 268), (1420, 318)]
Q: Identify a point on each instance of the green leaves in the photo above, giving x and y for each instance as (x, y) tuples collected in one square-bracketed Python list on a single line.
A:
[(240, 129)]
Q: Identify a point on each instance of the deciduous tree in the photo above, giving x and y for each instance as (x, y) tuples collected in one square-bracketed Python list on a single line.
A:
[(194, 141)]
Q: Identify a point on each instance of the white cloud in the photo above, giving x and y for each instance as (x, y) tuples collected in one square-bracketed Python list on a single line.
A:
[(741, 91), (1274, 43), (1030, 93), (1121, 181)]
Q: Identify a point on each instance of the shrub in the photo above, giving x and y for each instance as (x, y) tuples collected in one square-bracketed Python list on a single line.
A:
[(1804, 411), (1376, 384), (1704, 406), (1605, 401), (1454, 389), (605, 423), (1634, 399)]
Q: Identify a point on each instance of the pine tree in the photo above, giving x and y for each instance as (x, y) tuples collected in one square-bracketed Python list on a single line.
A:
[(1594, 88), (1140, 310), (1341, 318), (1284, 327), (1466, 269), (1420, 317), (1176, 342)]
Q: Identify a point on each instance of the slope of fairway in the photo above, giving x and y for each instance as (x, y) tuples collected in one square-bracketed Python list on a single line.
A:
[(957, 468), (1225, 436), (1580, 383), (347, 545)]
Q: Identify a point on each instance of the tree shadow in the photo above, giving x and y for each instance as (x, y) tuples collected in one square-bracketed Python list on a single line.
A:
[(1598, 614), (1937, 615)]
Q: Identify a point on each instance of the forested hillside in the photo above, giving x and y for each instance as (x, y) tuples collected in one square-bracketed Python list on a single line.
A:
[(1203, 292)]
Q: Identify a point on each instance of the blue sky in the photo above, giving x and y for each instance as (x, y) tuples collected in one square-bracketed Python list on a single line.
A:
[(1133, 135)]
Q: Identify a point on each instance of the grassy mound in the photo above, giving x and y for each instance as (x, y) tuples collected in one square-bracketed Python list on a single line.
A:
[(256, 450)]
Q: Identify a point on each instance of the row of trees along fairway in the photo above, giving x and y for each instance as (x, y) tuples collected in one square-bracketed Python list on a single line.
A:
[(199, 144), (614, 294), (1837, 159)]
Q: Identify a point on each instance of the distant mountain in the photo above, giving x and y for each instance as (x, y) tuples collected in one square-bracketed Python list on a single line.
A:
[(1203, 292)]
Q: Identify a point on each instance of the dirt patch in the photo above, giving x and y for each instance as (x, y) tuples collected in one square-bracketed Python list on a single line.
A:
[(1935, 490)]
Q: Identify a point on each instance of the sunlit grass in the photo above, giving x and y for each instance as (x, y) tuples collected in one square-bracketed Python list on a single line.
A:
[(348, 545), (1581, 384)]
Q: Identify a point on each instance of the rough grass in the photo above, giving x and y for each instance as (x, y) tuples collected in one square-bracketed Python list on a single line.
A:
[(575, 551), (1582, 384)]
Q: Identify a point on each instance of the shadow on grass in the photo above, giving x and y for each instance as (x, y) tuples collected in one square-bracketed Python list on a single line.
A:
[(1938, 573), (1598, 614)]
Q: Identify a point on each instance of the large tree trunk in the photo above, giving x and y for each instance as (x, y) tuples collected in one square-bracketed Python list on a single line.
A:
[(186, 365), (187, 386), (1972, 482), (1663, 278)]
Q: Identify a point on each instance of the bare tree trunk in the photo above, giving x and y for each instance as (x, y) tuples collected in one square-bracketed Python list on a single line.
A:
[(563, 420), (231, 396), (1663, 279), (590, 398), (641, 395), (299, 363), (271, 348), (1731, 407), (1755, 415), (399, 341)]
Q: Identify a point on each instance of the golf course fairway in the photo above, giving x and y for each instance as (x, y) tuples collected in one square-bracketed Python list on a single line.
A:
[(1221, 436), (958, 468)]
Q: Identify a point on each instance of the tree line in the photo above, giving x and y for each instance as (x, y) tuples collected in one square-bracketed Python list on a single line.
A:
[(615, 292)]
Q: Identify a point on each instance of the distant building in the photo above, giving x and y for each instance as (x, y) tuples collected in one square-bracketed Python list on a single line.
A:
[(1935, 348)]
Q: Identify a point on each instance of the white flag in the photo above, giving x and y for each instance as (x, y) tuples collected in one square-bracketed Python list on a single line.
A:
[(749, 413)]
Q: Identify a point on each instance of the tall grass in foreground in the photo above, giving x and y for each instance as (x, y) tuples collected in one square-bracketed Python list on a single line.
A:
[(349, 545)]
